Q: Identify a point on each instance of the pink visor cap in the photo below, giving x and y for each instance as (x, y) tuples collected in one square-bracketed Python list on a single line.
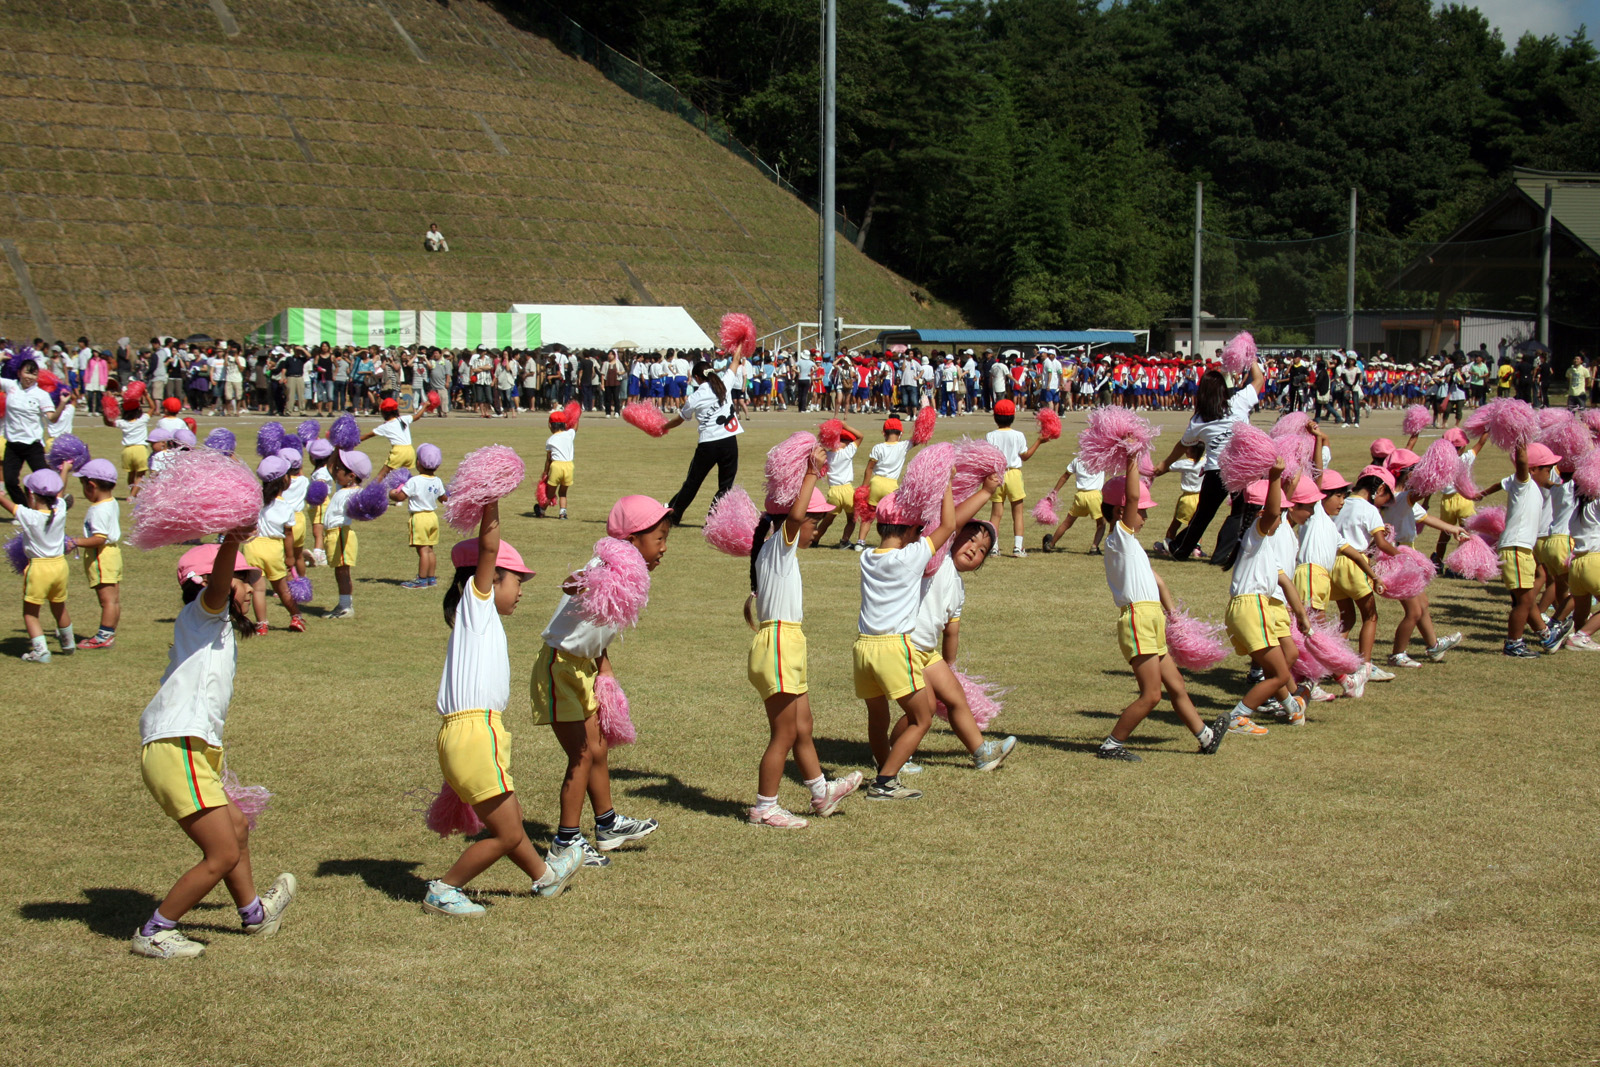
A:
[(817, 505), (1115, 493), (195, 565), (1380, 473), (465, 554), (635, 514), (1541, 456), (1332, 481)]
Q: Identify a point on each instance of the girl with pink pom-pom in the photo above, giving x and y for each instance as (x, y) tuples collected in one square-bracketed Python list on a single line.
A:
[(1584, 573), (1455, 506), (473, 744), (1321, 552), (1086, 500), (1144, 601), (273, 545), (841, 488), (1527, 498), (1014, 445), (1353, 588), (1405, 513), (573, 657), (777, 660)]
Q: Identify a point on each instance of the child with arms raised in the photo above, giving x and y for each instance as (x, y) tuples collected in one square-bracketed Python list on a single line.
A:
[(43, 519)]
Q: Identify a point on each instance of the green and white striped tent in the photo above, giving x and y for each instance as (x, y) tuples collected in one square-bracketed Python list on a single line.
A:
[(312, 326), (469, 329)]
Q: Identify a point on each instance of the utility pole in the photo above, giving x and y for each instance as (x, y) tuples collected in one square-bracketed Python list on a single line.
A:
[(1544, 267), (829, 100), (1350, 282), (1194, 304)]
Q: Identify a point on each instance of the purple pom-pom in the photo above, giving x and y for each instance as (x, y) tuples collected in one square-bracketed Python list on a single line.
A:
[(199, 494), (617, 588), (1239, 354), (731, 523), (270, 439), (17, 553), (251, 800), (1044, 512), (1475, 560), (308, 431), (368, 502), (300, 589), (396, 478), (317, 492), (787, 463), (484, 477), (1194, 644), (1405, 574), (344, 434), (983, 700), (68, 447), (222, 440), (1436, 469), (1248, 457), (1416, 419), (1113, 436), (615, 723), (449, 814)]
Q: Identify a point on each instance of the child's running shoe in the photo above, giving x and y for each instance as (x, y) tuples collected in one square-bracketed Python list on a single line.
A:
[(1160, 549), (1247, 727), (1376, 673), (1297, 712), (1049, 544), (36, 655), (1321, 695), (1556, 634), (274, 902), (1020, 553), (1112, 750), (1445, 644), (415, 583), (560, 864), (1256, 676), (991, 754), (297, 624), (1519, 649), (591, 858), (622, 831), (910, 768), (1582, 642), (892, 790), (777, 818), (836, 791), (1219, 730), (445, 899), (1400, 659), (98, 642), (341, 613), (166, 945)]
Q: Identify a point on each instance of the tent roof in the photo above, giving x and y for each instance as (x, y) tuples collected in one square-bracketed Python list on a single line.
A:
[(602, 326), (1008, 337)]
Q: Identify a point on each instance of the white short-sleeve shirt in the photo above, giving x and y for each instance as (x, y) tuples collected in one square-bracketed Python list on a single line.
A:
[(423, 492), (1012, 443), (1524, 513), (560, 445), (888, 458), (1357, 521), (943, 597), (103, 518), (569, 631), (891, 587), (1216, 434), (477, 666), (1128, 572), (397, 430), (44, 534), (842, 464), (197, 686), (778, 593)]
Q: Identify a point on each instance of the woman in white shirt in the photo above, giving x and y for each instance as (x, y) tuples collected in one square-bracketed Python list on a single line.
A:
[(711, 407), (28, 408)]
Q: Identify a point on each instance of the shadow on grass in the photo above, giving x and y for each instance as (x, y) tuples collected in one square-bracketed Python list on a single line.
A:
[(395, 879), (840, 752), (111, 911), (670, 789), (1060, 744)]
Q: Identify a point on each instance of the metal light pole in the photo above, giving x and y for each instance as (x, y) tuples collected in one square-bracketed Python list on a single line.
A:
[(825, 275), (1544, 267), (1350, 282), (1194, 304)]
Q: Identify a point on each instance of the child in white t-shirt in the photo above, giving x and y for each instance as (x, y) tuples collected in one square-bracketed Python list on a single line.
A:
[(559, 467), (841, 488), (396, 429), (101, 546), (1014, 445), (422, 493), (1354, 589), (43, 520), (1526, 498), (1191, 469), (1086, 503), (885, 463)]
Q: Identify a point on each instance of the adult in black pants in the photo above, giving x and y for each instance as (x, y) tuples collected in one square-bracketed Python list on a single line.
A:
[(27, 408), (1216, 412), (712, 410)]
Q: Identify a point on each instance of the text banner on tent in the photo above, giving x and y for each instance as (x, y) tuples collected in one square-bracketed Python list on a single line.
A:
[(313, 326), (469, 329)]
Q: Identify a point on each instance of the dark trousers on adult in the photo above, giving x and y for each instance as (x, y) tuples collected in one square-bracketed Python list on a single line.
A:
[(18, 453), (1212, 494), (723, 455), (802, 395), (613, 399)]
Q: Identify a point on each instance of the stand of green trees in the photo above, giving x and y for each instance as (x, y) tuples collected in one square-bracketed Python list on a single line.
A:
[(1034, 160)]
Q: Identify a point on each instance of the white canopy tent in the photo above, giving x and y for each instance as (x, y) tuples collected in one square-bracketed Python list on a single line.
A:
[(604, 326)]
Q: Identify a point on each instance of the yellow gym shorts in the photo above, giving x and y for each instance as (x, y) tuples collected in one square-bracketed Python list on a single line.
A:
[(299, 529), (424, 528), (778, 659), (1142, 630), (45, 580), (1085, 504), (1456, 508), (1011, 490), (1517, 568), (924, 659), (1348, 582), (1187, 503), (184, 774), (265, 554), (136, 459), (880, 488), (475, 754), (560, 473), (344, 547), (1584, 578), (1255, 622), (1553, 552), (842, 497), (401, 456), (315, 512), (1314, 585), (885, 666), (563, 687), (103, 565)]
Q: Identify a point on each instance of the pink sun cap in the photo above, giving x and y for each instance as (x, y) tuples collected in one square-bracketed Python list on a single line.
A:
[(635, 514), (465, 554), (196, 565), (1332, 481), (1541, 456), (817, 505), (1380, 473), (1305, 492), (1115, 493), (1381, 448), (1400, 459)]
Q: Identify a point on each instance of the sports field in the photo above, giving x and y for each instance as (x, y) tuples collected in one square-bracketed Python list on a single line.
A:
[(1408, 879)]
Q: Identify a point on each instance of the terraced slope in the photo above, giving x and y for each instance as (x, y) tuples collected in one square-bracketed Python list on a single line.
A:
[(163, 173)]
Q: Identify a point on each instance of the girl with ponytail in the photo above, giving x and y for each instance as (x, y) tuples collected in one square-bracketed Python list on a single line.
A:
[(712, 410)]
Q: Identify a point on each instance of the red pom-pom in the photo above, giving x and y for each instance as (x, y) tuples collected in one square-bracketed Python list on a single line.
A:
[(108, 407), (574, 412), (133, 393), (646, 418), (449, 814), (830, 434), (1049, 424), (737, 334), (1475, 560), (1044, 512), (542, 491), (615, 723), (922, 428), (1248, 457), (731, 523), (864, 510), (433, 401)]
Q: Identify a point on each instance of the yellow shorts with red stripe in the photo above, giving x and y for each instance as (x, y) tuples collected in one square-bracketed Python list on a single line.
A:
[(1142, 630), (45, 580), (1584, 578), (778, 659), (103, 565), (842, 497), (1314, 585), (184, 774), (315, 512), (1518, 568), (424, 528), (475, 754), (1085, 504), (1553, 552), (265, 554), (1348, 581), (1011, 490), (1255, 622), (885, 665), (563, 687)]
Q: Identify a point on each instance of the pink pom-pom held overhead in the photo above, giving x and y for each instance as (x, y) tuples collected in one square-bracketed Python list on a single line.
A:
[(1239, 354), (926, 478), (199, 494), (1195, 644), (1248, 457), (975, 461), (1112, 437), (787, 463), (1049, 425), (1509, 423), (17, 554), (1489, 522), (1405, 574), (615, 723), (1591, 419), (1436, 469), (484, 477), (1586, 476), (731, 523), (922, 428), (1416, 419), (1464, 483), (646, 418), (737, 334), (1565, 435), (983, 700), (251, 800), (449, 814), (830, 433), (1290, 425), (1044, 512), (616, 588), (1475, 560), (1295, 451)]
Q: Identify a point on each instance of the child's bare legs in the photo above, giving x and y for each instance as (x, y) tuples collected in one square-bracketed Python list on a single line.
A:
[(110, 596), (1367, 607), (1061, 529), (1151, 672), (942, 680), (30, 619), (427, 562), (789, 718), (1522, 615), (503, 816), (1291, 654), (341, 578), (224, 839), (1099, 534), (1016, 519), (1416, 615), (878, 729), (1271, 663), (918, 716), (258, 599), (281, 587), (587, 774), (318, 532), (994, 516), (1172, 530)]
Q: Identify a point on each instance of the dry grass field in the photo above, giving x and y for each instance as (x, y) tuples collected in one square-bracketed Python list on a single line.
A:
[(1407, 880)]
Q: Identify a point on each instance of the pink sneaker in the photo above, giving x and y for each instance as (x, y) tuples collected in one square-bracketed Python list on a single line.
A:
[(837, 790), (778, 818), (96, 642)]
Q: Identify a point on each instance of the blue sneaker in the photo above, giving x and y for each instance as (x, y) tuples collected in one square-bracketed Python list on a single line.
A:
[(1556, 634), (991, 754), (560, 864), (1519, 649), (415, 583), (445, 899)]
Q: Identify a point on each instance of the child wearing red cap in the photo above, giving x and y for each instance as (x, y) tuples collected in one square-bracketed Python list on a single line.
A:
[(1404, 515), (1014, 445), (841, 491), (1144, 601), (1526, 495), (134, 425), (396, 429), (170, 421), (43, 519), (885, 463), (559, 449), (573, 655), (474, 746)]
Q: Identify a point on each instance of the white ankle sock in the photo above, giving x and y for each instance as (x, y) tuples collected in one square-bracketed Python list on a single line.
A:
[(765, 803), (817, 785), (1016, 544)]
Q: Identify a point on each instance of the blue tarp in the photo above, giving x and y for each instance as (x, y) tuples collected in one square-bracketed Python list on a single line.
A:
[(997, 338)]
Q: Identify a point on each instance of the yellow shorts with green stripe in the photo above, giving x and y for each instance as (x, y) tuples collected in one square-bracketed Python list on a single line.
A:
[(563, 687), (842, 497), (1553, 552), (184, 774), (1011, 490), (315, 512), (1348, 581), (401, 456), (1518, 568), (343, 547), (561, 471), (1085, 504), (103, 565), (1456, 508), (45, 580), (265, 554), (880, 488), (885, 665), (1584, 578), (424, 528), (1255, 622), (1314, 585), (778, 659), (1142, 630), (300, 525), (475, 754)]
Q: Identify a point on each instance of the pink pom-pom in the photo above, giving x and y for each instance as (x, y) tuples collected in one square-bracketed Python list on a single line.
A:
[(1436, 469), (646, 418), (922, 428), (1511, 424), (1464, 483), (1416, 419), (926, 477), (615, 590), (737, 334), (975, 461), (17, 553), (1475, 560), (251, 800), (1405, 574), (1327, 645), (864, 511), (1489, 522), (485, 476), (1044, 512), (1112, 437), (1239, 354), (983, 700), (1248, 457), (1290, 425), (1195, 644), (317, 492), (449, 814), (573, 412), (731, 523), (1295, 451), (1586, 476), (1307, 668), (1591, 419), (1147, 469), (786, 467), (1478, 421), (199, 494), (1565, 435), (542, 493), (615, 724), (1049, 424), (830, 434)]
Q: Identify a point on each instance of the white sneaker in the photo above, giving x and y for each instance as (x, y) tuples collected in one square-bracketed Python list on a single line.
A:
[(777, 818), (1445, 644), (1321, 695), (274, 902), (1400, 659), (1355, 685), (560, 864), (1582, 642), (1376, 673), (166, 945), (33, 655), (835, 792), (341, 613), (320, 555), (910, 768)]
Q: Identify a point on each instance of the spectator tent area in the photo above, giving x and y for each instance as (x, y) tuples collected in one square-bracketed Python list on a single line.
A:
[(606, 326)]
